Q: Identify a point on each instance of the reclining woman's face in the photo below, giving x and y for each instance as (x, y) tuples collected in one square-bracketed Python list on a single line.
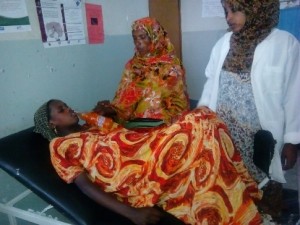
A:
[(142, 42), (62, 115)]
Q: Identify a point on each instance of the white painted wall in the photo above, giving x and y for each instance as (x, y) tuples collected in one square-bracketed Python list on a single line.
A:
[(117, 17), (193, 21), (199, 34), (81, 75), (121, 14)]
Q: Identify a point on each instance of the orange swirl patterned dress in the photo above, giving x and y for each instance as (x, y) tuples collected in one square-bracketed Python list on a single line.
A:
[(190, 168)]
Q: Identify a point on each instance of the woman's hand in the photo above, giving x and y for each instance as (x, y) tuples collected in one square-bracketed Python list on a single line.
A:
[(289, 156), (140, 216), (145, 216), (104, 108)]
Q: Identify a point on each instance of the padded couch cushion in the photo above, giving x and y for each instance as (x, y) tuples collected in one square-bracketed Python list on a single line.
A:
[(25, 156)]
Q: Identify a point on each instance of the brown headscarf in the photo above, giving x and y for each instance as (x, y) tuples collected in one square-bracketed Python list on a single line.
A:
[(261, 17)]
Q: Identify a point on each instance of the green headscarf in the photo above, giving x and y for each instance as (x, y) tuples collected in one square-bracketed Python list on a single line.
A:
[(41, 121)]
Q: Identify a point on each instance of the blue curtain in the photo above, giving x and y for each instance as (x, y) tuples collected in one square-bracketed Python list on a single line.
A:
[(289, 20)]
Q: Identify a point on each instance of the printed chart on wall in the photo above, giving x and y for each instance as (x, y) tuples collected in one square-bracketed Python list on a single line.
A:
[(61, 22), (13, 16), (212, 8)]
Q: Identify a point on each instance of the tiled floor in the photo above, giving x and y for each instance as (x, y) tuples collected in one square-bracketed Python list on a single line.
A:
[(290, 212), (9, 188), (291, 178)]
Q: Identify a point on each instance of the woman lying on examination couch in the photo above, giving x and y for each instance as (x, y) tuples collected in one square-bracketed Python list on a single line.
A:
[(189, 168)]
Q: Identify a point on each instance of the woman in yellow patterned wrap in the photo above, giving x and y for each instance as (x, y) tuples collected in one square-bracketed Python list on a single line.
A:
[(153, 82), (189, 168)]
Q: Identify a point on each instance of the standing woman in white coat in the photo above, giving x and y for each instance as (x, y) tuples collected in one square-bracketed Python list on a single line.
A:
[(253, 83)]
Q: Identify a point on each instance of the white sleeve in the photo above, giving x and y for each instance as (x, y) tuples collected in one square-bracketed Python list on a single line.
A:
[(291, 100), (208, 86)]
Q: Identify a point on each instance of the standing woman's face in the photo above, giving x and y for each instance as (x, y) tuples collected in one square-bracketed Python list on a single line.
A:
[(142, 42), (236, 19)]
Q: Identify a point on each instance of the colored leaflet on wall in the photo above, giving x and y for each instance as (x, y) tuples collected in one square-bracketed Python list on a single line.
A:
[(13, 16), (61, 22), (94, 21)]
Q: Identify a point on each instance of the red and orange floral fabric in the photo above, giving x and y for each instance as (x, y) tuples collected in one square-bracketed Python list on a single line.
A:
[(190, 168), (152, 86)]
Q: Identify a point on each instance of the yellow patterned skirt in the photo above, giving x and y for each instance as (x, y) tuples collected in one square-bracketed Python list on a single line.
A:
[(191, 168)]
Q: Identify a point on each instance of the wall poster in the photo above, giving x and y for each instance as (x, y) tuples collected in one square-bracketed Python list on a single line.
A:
[(13, 16), (212, 8), (61, 22)]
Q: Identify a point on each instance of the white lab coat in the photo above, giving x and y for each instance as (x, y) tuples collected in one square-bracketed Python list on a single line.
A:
[(275, 78)]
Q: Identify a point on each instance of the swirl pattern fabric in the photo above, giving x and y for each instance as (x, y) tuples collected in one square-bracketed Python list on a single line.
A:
[(190, 168)]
